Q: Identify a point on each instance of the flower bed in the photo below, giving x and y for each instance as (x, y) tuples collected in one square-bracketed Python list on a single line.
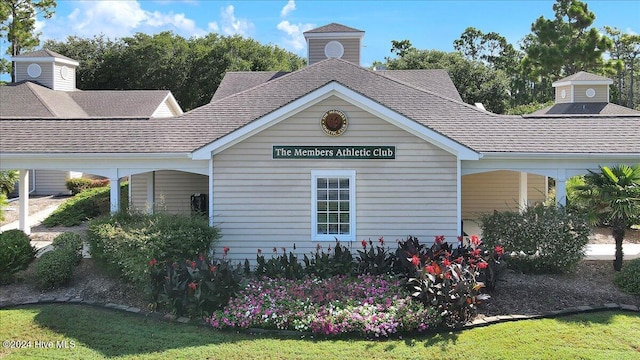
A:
[(370, 305)]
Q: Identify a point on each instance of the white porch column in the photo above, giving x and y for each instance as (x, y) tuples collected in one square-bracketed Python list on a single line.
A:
[(210, 197), (561, 187), (114, 194), (23, 223), (524, 195), (151, 191)]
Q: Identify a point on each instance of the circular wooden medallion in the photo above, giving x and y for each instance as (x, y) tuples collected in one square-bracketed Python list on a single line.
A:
[(334, 122)]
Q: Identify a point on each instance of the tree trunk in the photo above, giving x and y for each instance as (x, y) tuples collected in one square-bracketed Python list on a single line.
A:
[(618, 232)]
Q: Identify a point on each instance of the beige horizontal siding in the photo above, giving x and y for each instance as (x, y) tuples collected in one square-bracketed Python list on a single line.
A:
[(68, 84), (45, 78), (351, 50), (498, 190), (173, 190), (51, 182), (163, 111), (567, 98), (260, 202), (601, 93)]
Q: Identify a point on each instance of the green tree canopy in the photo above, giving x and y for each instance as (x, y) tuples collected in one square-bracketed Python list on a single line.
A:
[(17, 24), (475, 81), (563, 46), (191, 68), (624, 53)]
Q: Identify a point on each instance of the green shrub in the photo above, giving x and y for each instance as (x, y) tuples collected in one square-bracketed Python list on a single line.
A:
[(3, 204), (628, 279), (541, 239), (127, 242), (69, 241), (85, 206), (16, 253), (78, 185), (55, 268)]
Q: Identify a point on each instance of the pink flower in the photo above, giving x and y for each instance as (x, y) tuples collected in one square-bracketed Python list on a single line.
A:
[(446, 262), (153, 262), (212, 268), (201, 257), (415, 260), (499, 250), (193, 285)]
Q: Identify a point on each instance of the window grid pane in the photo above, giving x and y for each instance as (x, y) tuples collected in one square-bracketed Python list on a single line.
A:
[(333, 206)]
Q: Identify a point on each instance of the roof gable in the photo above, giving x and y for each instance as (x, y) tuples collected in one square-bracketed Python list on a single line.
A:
[(333, 28)]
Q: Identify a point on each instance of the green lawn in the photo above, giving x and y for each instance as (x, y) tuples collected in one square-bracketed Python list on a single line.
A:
[(94, 333)]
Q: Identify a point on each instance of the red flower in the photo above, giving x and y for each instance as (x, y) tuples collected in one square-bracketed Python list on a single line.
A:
[(381, 240), (482, 265), (193, 264), (193, 285), (499, 250), (259, 251), (439, 239), (153, 262), (364, 243), (475, 240), (446, 262), (225, 250), (460, 238), (274, 249), (476, 252), (459, 260), (415, 260), (201, 257), (212, 268), (430, 269), (447, 275)]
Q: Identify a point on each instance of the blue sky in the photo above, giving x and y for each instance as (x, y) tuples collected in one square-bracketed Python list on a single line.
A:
[(428, 24)]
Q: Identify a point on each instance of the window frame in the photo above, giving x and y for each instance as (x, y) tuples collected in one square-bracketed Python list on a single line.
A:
[(315, 175)]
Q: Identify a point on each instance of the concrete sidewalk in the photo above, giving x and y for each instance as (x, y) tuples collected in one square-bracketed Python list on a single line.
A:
[(34, 219)]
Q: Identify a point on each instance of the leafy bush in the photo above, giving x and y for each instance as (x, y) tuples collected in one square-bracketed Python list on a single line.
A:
[(374, 306), (376, 260), (541, 239), (3, 204), (628, 279), (55, 268), (85, 206), (126, 242), (69, 241), (194, 287), (16, 253), (445, 277), (338, 261), (279, 266), (78, 185)]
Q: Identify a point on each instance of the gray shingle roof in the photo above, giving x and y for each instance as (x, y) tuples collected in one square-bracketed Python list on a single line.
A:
[(43, 53), (465, 124), (584, 76), (117, 103), (437, 81), (333, 28), (236, 81), (31, 100), (586, 108), (27, 99)]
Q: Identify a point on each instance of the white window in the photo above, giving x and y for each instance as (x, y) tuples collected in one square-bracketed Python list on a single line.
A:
[(333, 203)]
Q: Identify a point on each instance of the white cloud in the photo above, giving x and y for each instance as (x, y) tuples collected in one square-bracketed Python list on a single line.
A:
[(117, 19), (232, 25), (295, 39), (287, 9)]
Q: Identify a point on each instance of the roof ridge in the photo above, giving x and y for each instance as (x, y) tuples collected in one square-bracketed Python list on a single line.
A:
[(431, 92), (30, 85)]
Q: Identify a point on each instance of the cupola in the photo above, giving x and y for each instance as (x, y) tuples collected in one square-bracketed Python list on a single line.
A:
[(47, 68), (333, 41), (582, 87)]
